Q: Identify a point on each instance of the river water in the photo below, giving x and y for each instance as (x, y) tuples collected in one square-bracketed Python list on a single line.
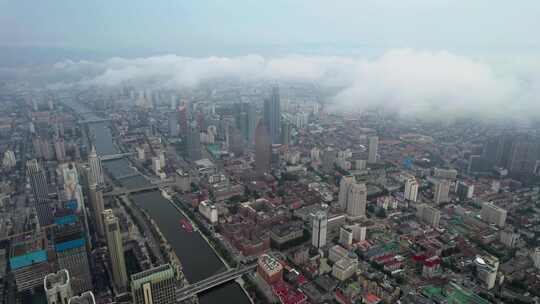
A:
[(198, 259)]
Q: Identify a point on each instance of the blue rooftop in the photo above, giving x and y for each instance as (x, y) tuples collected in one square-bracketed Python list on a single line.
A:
[(72, 204), (68, 219), (28, 259), (69, 245)]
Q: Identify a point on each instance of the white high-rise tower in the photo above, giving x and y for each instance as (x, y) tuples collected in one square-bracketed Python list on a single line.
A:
[(96, 171)]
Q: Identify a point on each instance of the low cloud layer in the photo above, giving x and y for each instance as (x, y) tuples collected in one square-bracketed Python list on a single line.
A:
[(408, 82)]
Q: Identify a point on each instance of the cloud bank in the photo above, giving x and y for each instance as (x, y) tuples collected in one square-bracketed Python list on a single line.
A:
[(407, 82)]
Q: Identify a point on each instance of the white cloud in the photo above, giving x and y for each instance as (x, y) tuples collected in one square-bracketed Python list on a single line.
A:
[(409, 82)]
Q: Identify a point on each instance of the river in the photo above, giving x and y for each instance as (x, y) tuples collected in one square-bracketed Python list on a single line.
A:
[(198, 259)]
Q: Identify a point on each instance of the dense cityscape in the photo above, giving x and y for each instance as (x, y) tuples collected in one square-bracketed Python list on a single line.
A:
[(269, 152), (256, 193)]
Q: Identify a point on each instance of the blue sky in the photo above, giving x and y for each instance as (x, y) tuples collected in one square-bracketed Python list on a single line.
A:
[(221, 27)]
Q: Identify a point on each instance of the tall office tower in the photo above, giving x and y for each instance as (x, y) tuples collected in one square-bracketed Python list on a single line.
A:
[(116, 250), (98, 206), (241, 119), (154, 286), (356, 200), (272, 115), (319, 229), (193, 143), (59, 149), (411, 189), (441, 189), (173, 124), (40, 190), (58, 287), (285, 133), (71, 251), (373, 149), (344, 185), (86, 297), (429, 215), (96, 171), (263, 149), (493, 214), (252, 123), (524, 153), (29, 262), (183, 122)]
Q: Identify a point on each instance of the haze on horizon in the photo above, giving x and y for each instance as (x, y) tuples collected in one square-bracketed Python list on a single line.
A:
[(417, 57)]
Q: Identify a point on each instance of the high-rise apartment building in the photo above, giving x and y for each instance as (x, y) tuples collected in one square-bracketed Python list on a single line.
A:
[(356, 200), (429, 214), (59, 149), (154, 286), (441, 190), (411, 189), (493, 214), (464, 190), (116, 250)]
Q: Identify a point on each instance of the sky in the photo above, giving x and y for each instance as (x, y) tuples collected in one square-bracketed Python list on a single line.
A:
[(233, 27), (429, 58)]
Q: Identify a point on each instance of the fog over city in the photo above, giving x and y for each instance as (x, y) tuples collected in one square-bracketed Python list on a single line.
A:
[(404, 81)]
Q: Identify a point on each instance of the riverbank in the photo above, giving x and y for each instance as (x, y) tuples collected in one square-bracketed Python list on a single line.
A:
[(211, 241)]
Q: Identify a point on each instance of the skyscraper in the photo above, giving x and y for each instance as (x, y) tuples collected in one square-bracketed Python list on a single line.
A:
[(285, 133), (40, 190), (356, 200), (263, 149), (352, 197), (193, 143), (441, 189), (344, 185), (58, 287), (493, 214), (319, 229), (71, 251), (272, 115), (96, 171), (96, 198), (411, 189), (154, 286), (429, 215), (373, 149), (116, 250)]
